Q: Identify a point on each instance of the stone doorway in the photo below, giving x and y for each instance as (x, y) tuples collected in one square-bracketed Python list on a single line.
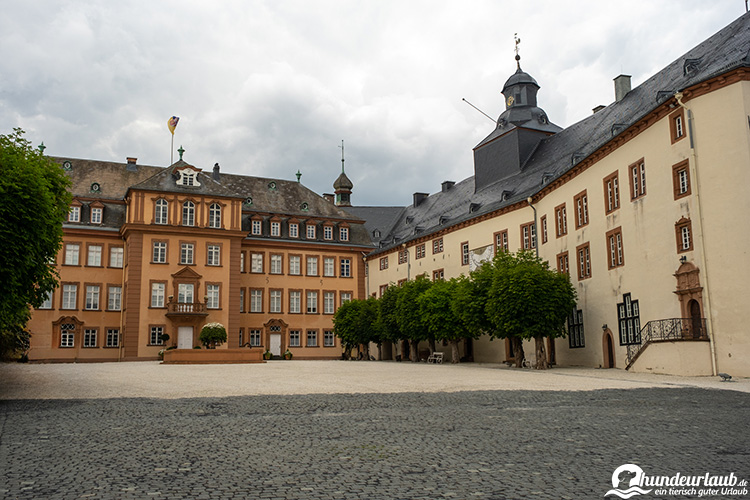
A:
[(608, 349)]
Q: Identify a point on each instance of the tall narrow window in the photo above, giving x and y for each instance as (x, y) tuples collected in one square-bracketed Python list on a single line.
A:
[(276, 261), (561, 220), (157, 294), (256, 301), (187, 253), (293, 230), (543, 222), (95, 256), (67, 334), (256, 227), (629, 321), (116, 257), (159, 255), (214, 215), (213, 255), (294, 338), (346, 268), (582, 209), (276, 229), (677, 125), (329, 340), (614, 243), (575, 329), (75, 214), (383, 263), (113, 337), (114, 301), (188, 213), (256, 263), (329, 301), (312, 338), (329, 266), (275, 299), (71, 254), (420, 252), (69, 296), (310, 231), (312, 302), (681, 180), (611, 193), (403, 256), (295, 302), (155, 335), (584, 261), (294, 264), (465, 253), (344, 233), (327, 232), (89, 337), (501, 241), (528, 235), (683, 229), (212, 296), (312, 266), (637, 179), (563, 263), (161, 211), (437, 245), (96, 215), (92, 297)]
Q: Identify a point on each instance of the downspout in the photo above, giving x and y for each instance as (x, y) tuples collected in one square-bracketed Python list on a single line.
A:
[(530, 200), (408, 261), (700, 236), (367, 275)]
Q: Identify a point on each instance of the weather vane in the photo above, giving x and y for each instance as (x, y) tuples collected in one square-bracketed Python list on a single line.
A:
[(518, 42), (342, 155)]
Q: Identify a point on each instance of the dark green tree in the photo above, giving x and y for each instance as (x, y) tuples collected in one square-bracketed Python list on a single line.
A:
[(411, 322), (528, 300), (388, 317), (34, 202), (356, 324)]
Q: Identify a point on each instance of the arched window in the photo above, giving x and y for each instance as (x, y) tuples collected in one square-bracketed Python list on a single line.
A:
[(161, 212), (188, 213), (214, 215)]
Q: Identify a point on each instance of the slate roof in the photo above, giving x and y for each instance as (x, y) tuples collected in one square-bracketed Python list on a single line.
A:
[(164, 181), (556, 154), (378, 220)]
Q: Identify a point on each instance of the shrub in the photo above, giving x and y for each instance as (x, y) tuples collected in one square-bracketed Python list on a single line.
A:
[(212, 335)]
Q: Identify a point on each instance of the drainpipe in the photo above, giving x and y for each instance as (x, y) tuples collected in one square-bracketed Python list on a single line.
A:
[(367, 275), (408, 262), (700, 238), (530, 200)]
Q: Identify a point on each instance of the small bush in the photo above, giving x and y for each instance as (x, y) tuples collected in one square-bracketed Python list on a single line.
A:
[(212, 335)]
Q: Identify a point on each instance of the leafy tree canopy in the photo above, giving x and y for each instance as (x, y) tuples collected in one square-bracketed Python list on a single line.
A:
[(410, 320), (355, 323)]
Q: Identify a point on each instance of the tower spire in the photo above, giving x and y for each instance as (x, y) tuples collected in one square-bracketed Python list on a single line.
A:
[(342, 155), (518, 57)]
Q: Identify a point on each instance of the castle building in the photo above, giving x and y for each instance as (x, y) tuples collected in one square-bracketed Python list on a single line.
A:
[(641, 204), (149, 251)]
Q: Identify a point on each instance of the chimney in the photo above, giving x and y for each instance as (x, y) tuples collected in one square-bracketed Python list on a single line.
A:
[(447, 185), (216, 176), (328, 197), (419, 198), (598, 108), (132, 164), (622, 87)]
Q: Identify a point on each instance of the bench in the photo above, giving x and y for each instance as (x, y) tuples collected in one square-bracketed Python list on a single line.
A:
[(436, 357)]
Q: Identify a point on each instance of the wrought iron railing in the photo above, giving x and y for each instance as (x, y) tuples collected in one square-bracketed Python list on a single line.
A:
[(186, 308), (666, 330)]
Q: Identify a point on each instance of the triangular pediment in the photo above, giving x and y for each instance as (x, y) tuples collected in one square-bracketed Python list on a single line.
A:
[(186, 273)]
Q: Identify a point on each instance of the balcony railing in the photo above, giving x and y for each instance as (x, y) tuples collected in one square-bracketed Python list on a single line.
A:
[(668, 330), (188, 308)]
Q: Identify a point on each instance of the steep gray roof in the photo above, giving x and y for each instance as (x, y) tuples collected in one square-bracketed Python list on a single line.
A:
[(379, 221), (558, 153), (164, 181)]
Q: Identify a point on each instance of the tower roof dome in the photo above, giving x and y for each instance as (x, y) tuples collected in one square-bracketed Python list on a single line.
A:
[(343, 182)]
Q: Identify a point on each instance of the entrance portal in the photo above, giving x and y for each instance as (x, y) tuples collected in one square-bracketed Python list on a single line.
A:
[(275, 341), (608, 349), (185, 337), (695, 319)]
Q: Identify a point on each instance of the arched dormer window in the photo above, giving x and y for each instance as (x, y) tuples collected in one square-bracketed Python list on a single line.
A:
[(188, 213), (161, 211), (214, 215)]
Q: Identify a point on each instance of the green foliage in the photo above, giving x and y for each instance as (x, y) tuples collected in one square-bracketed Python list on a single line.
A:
[(14, 344), (436, 304), (411, 322), (388, 314), (34, 202), (212, 335), (356, 323), (527, 299)]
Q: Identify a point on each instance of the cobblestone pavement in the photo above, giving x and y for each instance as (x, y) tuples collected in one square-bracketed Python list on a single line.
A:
[(462, 445)]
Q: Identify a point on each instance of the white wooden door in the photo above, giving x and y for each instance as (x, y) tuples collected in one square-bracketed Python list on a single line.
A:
[(275, 347), (185, 337)]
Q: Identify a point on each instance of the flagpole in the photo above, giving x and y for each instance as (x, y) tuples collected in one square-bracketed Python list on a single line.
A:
[(171, 124), (171, 151)]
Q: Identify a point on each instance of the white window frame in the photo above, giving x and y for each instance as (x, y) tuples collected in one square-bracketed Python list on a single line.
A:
[(116, 257), (92, 298), (276, 229), (72, 254), (312, 265), (295, 302), (346, 268), (256, 300), (75, 214), (256, 263), (256, 227), (158, 291), (295, 338), (89, 337), (214, 216), (295, 262), (114, 298), (159, 252), (161, 211), (213, 257), (94, 258), (188, 214), (294, 230), (276, 263), (329, 302), (187, 254), (344, 233), (327, 232), (310, 231), (311, 305), (275, 301), (69, 296), (97, 214), (113, 337), (329, 266), (212, 296)]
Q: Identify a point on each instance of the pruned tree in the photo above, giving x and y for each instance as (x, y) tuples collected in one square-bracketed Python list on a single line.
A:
[(440, 304), (529, 300), (355, 323), (410, 319), (388, 317)]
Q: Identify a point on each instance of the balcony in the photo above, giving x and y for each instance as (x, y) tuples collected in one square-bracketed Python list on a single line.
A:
[(668, 330), (190, 309)]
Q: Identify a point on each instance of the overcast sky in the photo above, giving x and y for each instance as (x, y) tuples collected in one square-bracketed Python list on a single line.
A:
[(267, 88)]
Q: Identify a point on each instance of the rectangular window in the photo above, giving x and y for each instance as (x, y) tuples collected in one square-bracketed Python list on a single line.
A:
[(212, 296), (157, 294), (276, 261), (155, 335), (256, 227), (242, 262), (563, 264), (345, 297), (329, 301), (383, 288), (67, 334), (312, 302), (561, 220), (543, 221), (294, 264), (584, 261), (294, 230), (89, 337), (256, 263), (346, 268), (75, 214), (580, 201), (114, 300), (96, 215), (327, 232), (629, 321), (403, 256), (310, 232), (187, 253), (677, 125), (637, 179), (575, 329), (69, 296), (275, 306), (383, 263), (344, 233), (256, 301), (614, 244), (254, 338), (328, 339), (528, 235), (683, 229), (611, 193), (242, 301), (438, 274), (294, 338), (295, 302), (312, 338), (71, 254), (329, 266), (420, 251), (92, 297), (113, 337), (95, 256), (312, 266), (437, 245), (186, 294), (501, 241), (161, 211), (214, 215), (213, 257), (159, 252), (116, 256), (276, 229), (465, 253), (47, 304), (681, 179)]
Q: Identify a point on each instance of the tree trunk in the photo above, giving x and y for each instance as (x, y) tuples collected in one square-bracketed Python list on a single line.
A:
[(541, 353), (366, 351), (414, 351), (518, 351), (380, 352), (433, 348), (404, 350), (454, 352)]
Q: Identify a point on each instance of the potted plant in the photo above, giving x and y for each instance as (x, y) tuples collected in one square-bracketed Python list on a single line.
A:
[(212, 335), (267, 355), (287, 354)]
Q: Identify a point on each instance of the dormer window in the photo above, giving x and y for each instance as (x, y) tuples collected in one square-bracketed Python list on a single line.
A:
[(188, 177), (75, 214), (256, 227), (344, 233), (96, 215)]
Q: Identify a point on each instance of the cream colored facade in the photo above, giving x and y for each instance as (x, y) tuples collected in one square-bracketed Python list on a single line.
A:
[(695, 152)]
